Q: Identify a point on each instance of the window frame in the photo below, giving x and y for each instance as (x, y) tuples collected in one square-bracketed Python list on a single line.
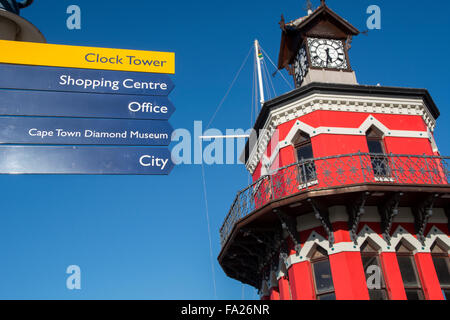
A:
[(375, 255), (419, 287), (301, 144), (379, 137), (440, 255), (303, 176), (313, 274)]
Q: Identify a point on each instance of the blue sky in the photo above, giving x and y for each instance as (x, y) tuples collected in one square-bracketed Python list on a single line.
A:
[(146, 237)]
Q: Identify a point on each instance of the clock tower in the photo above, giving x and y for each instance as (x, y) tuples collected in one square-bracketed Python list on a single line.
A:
[(350, 197), (315, 48)]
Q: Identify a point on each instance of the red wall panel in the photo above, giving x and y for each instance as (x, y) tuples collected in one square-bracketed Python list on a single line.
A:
[(348, 276), (301, 282)]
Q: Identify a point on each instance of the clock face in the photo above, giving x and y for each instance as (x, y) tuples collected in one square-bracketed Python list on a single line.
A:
[(327, 53), (300, 66)]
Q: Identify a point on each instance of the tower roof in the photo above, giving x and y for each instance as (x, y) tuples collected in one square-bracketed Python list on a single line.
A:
[(323, 22)]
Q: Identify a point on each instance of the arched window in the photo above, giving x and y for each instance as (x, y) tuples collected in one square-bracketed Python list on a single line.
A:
[(409, 273), (305, 156), (380, 163), (442, 266), (373, 271), (323, 280)]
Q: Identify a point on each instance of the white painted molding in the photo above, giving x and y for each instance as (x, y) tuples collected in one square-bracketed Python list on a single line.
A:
[(282, 272), (400, 234), (319, 101), (315, 240), (436, 235), (361, 131), (380, 244)]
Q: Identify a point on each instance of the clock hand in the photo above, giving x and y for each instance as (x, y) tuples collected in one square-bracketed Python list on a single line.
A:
[(327, 50)]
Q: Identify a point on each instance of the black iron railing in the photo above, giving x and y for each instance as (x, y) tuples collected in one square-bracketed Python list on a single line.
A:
[(350, 169)]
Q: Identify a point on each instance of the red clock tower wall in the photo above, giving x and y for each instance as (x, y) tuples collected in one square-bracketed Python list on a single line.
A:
[(404, 134)]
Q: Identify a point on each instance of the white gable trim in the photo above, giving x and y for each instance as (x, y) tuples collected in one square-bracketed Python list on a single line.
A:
[(315, 240), (361, 131), (436, 235), (367, 233), (401, 234), (282, 272)]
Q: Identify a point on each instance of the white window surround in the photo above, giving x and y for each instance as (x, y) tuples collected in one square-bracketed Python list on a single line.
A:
[(361, 131), (366, 232), (314, 102)]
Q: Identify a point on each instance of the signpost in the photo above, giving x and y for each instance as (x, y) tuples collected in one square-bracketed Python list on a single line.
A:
[(85, 160), (82, 80), (55, 55), (69, 104), (83, 110), (76, 131)]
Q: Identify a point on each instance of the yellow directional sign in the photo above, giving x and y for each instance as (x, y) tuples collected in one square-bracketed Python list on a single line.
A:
[(53, 55)]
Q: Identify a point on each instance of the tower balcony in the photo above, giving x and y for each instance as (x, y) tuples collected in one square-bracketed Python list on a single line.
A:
[(335, 180)]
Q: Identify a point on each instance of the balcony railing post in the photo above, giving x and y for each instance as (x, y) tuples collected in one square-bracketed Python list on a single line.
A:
[(272, 194), (238, 204), (428, 170), (362, 166), (299, 176), (393, 166), (305, 177)]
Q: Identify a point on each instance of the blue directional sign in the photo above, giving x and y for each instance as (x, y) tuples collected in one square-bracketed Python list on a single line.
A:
[(77, 131), (83, 80), (83, 105), (84, 160)]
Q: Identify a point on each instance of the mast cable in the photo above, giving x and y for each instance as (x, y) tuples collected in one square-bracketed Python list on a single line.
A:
[(205, 194), (269, 80), (284, 78), (209, 232), (229, 89)]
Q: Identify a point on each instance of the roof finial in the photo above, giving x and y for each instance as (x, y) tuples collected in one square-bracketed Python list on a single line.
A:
[(322, 2), (309, 7)]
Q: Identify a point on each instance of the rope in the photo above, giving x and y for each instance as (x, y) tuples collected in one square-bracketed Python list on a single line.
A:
[(229, 89), (270, 79), (203, 173), (284, 78), (209, 232)]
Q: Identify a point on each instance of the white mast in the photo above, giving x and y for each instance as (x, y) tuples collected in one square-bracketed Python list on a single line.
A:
[(260, 80)]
